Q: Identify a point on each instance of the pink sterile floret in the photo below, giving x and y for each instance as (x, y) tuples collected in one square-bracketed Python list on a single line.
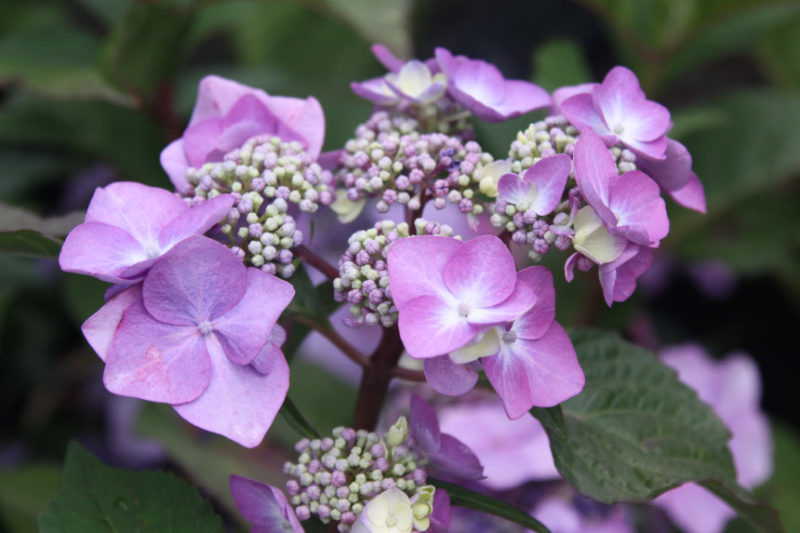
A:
[(129, 225), (227, 114), (264, 506), (195, 335)]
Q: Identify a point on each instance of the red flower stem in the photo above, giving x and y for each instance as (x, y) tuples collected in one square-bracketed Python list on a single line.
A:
[(317, 262), (340, 342), (376, 378)]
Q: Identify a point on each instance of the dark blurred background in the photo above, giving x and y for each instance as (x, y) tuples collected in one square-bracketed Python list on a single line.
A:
[(92, 90)]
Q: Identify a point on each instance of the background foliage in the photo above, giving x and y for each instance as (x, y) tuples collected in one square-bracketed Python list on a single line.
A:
[(92, 90)]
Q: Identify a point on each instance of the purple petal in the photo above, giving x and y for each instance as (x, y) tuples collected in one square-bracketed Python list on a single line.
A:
[(549, 177), (303, 120), (197, 280), (99, 329), (431, 327), (456, 459), (449, 378), (155, 361), (624, 105), (481, 273), (594, 167), (100, 250), (671, 173), (386, 57), (569, 267), (440, 518), (636, 202), (243, 331), (542, 373), (376, 90), (135, 208), (263, 505), (195, 220), (424, 425), (513, 189), (520, 301), (271, 351), (652, 149), (239, 403), (416, 265), (562, 94), (691, 196), (582, 113), (174, 162), (618, 278), (535, 323), (216, 96)]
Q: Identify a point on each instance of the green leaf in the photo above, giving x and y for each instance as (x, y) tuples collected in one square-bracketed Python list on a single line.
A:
[(208, 461), (783, 488), (295, 419), (148, 45), (24, 493), (636, 431), (95, 497), (762, 517), (560, 63), (463, 497), (25, 233), (313, 303), (779, 51)]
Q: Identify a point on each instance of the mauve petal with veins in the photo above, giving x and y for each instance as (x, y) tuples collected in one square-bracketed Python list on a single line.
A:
[(449, 378), (423, 424), (513, 189), (263, 506), (270, 352), (244, 330), (123, 204), (594, 167), (535, 323), (195, 221), (542, 373), (430, 326), (376, 90), (99, 328), (480, 87), (641, 213), (548, 177), (618, 278), (691, 195), (100, 250), (197, 280), (440, 518), (520, 301), (581, 111), (562, 94), (671, 173), (174, 162), (416, 265), (481, 273), (239, 403), (155, 361)]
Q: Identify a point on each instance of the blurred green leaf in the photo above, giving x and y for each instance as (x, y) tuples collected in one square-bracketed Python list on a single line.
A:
[(95, 497), (207, 459), (313, 303), (783, 489), (25, 233), (83, 296), (24, 170), (463, 497), (121, 136), (761, 517), (560, 63), (108, 11), (294, 418), (779, 51), (147, 45), (24, 493)]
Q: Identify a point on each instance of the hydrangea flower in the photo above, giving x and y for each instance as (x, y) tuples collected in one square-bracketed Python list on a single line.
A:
[(129, 225), (674, 175), (732, 387), (412, 82), (455, 293), (540, 187), (227, 114), (618, 110), (481, 88), (393, 511), (264, 506), (188, 336), (529, 361)]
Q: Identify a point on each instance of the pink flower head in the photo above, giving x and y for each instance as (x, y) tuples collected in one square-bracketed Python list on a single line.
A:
[(447, 291), (512, 452), (629, 204), (619, 111), (540, 188), (732, 387), (481, 88), (227, 114), (445, 452), (264, 506), (188, 336), (129, 225)]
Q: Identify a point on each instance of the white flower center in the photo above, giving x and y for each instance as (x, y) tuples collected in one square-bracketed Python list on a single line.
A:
[(464, 309), (205, 327), (509, 337), (619, 129)]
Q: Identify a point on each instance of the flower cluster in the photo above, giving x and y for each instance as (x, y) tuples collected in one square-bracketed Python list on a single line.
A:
[(365, 481), (391, 160), (363, 280)]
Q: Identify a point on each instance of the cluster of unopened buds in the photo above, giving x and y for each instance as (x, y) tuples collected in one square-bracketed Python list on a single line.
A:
[(191, 318)]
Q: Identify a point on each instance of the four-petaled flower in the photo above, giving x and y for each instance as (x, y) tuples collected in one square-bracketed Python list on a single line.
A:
[(189, 336)]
